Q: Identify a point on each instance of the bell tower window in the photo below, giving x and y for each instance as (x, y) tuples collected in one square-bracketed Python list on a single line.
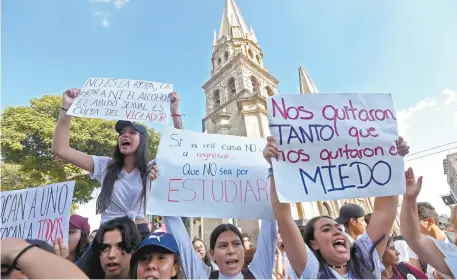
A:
[(255, 86), (231, 86), (251, 54), (217, 98), (269, 91)]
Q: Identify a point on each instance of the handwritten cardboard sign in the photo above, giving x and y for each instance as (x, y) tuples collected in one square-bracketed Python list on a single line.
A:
[(335, 146), (122, 99), (210, 175), (37, 213)]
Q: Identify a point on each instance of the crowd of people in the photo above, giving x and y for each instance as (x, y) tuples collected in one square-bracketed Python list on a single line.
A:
[(356, 245)]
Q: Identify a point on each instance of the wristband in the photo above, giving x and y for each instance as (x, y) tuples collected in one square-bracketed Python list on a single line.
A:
[(14, 264), (177, 115), (62, 108), (270, 172)]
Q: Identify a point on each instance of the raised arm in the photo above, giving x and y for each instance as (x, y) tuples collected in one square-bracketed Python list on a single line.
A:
[(36, 263), (293, 241), (385, 211), (61, 141), (264, 257), (175, 100), (191, 263), (423, 246)]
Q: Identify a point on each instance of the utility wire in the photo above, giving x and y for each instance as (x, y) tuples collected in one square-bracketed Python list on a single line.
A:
[(433, 148), (427, 155)]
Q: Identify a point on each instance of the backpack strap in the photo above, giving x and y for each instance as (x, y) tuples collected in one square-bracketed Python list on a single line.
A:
[(214, 274), (403, 269), (247, 274)]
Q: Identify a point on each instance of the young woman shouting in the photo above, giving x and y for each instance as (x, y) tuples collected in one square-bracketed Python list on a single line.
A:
[(124, 176), (324, 250)]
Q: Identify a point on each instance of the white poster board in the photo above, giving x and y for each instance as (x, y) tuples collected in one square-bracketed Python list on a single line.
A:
[(122, 99), (335, 146), (210, 175), (37, 213)]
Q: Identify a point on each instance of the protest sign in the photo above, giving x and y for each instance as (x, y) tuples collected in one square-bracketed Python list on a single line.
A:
[(210, 175), (122, 99), (335, 146), (37, 213)]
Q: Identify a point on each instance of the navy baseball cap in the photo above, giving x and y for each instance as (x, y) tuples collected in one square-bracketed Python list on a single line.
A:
[(120, 125), (349, 211), (155, 240), (301, 223)]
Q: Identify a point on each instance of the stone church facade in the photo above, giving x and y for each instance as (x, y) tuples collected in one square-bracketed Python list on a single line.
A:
[(236, 95)]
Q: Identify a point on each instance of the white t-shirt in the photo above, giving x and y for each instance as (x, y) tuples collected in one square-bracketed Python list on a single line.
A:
[(262, 263), (126, 199), (288, 267)]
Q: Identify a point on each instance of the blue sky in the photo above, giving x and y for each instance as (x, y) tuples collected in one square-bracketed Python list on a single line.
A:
[(407, 48)]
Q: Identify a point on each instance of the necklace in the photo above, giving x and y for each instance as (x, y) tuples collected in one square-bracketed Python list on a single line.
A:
[(338, 266)]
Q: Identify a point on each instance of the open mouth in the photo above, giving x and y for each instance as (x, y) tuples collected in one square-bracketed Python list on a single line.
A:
[(112, 266), (340, 245), (125, 143), (231, 263)]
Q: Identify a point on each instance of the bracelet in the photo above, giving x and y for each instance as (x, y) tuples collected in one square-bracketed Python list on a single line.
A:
[(14, 264), (177, 115), (270, 172), (62, 108)]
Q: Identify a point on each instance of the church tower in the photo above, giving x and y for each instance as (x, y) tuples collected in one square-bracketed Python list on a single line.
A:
[(240, 83), (236, 104), (236, 95)]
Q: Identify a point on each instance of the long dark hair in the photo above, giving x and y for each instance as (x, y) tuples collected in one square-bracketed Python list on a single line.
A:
[(223, 228), (130, 235), (114, 168), (148, 256), (82, 245), (356, 264), (206, 259)]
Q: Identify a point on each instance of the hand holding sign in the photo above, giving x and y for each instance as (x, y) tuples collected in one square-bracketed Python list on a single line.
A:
[(271, 149), (175, 100), (69, 97)]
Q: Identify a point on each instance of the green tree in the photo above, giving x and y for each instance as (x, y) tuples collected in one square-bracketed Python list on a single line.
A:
[(27, 133)]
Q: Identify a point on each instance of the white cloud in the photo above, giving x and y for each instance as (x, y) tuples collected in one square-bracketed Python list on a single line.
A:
[(104, 9), (427, 124), (102, 16), (451, 96), (120, 3), (404, 116)]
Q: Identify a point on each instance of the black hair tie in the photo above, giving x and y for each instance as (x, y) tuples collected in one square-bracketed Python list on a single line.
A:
[(14, 264)]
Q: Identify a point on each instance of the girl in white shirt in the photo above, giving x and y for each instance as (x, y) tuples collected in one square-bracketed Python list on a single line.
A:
[(324, 251), (227, 250), (124, 177)]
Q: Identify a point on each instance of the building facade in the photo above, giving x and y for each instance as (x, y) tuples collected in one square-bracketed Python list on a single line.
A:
[(450, 170), (236, 104)]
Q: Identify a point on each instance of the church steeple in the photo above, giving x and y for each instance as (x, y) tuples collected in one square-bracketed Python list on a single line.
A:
[(233, 25), (306, 84)]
